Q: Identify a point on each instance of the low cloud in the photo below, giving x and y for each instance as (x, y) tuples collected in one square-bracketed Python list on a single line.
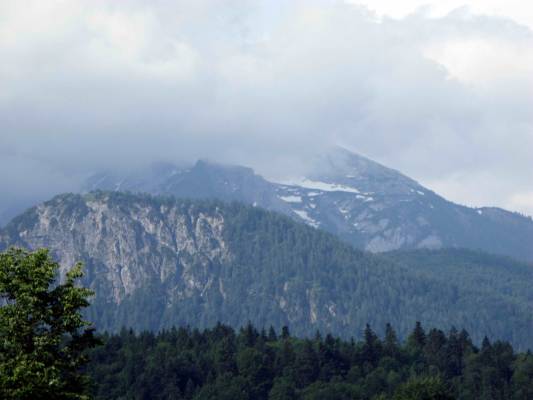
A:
[(94, 85)]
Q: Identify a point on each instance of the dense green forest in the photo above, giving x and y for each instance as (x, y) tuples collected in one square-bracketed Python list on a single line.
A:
[(472, 270), (222, 364), (278, 272), (48, 351)]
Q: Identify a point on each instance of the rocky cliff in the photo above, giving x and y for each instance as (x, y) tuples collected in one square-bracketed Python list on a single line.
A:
[(158, 262)]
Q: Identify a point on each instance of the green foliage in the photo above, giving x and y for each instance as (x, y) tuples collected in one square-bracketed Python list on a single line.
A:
[(423, 388), (283, 273), (275, 260), (495, 290), (282, 389), (187, 364), (523, 377), (43, 336)]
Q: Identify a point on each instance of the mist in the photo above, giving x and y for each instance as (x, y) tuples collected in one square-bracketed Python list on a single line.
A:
[(103, 85)]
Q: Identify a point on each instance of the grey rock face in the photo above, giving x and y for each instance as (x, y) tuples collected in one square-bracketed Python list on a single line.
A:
[(170, 254), (126, 246), (155, 263)]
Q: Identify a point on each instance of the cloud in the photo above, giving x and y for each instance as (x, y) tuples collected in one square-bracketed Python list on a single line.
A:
[(102, 84)]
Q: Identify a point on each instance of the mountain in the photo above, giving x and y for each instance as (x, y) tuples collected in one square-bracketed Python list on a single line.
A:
[(364, 203), (204, 180), (471, 270), (155, 262)]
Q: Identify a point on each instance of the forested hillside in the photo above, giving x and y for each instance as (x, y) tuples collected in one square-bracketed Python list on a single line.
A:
[(472, 270), (221, 364), (155, 263)]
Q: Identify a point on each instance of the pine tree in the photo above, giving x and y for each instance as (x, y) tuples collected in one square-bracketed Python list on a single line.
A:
[(225, 356), (272, 336), (306, 364), (371, 348), (417, 339), (285, 334), (390, 343)]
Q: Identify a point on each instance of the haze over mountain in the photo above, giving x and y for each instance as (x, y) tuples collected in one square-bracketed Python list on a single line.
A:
[(366, 204), (250, 185), (445, 96), (159, 262)]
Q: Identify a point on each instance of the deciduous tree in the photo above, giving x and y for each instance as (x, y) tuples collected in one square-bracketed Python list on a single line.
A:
[(43, 336)]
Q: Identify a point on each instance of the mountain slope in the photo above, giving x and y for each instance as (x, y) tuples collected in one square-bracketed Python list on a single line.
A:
[(157, 262), (364, 203), (471, 270)]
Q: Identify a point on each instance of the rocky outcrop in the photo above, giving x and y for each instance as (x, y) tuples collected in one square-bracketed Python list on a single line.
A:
[(159, 262), (124, 244)]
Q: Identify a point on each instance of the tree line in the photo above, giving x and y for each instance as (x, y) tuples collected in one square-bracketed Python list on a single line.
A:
[(48, 351), (221, 363)]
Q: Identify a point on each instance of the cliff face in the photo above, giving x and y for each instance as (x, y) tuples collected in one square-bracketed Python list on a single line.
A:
[(158, 262), (125, 245)]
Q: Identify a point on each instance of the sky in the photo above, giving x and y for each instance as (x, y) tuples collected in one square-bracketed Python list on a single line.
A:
[(442, 91)]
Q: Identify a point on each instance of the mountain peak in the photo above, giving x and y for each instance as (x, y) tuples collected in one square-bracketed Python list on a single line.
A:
[(339, 165), (205, 165), (363, 202)]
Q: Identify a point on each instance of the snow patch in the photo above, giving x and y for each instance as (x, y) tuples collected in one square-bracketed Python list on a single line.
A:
[(307, 219), (291, 199), (324, 186)]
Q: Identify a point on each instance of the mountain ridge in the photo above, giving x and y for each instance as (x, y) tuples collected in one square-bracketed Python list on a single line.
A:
[(155, 262), (370, 206)]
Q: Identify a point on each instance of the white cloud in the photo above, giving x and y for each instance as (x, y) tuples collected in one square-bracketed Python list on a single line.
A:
[(522, 201), (87, 85), (480, 60), (517, 10)]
